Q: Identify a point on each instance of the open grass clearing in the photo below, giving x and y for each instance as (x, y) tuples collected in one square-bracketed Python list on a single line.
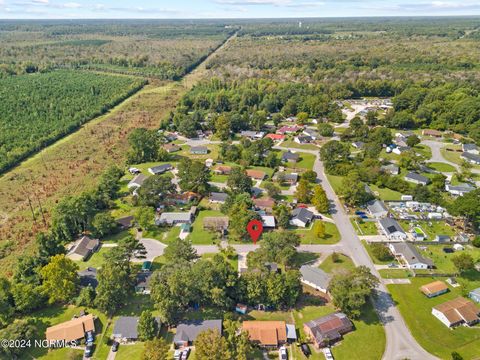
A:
[(364, 228), (343, 263), (307, 236)]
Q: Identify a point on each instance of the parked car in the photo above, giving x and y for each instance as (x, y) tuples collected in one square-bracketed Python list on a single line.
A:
[(185, 354), (306, 350), (134, 171), (282, 354), (392, 265), (115, 346), (90, 337), (328, 354), (177, 354), (88, 351)]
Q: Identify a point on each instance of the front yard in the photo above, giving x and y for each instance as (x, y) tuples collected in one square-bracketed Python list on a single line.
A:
[(364, 228), (199, 235), (307, 236)]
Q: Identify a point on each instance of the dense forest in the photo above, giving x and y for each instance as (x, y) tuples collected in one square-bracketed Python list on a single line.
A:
[(155, 49), (37, 109)]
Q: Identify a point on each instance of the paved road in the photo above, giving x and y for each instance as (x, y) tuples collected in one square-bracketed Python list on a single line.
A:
[(437, 156)]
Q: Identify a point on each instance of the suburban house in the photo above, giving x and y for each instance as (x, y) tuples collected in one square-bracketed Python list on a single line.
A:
[(303, 139), (399, 150), (315, 278), (268, 222), (417, 178), (456, 312), (435, 288), (198, 150), (254, 135), (160, 169), (83, 248), (125, 222), (408, 254), (471, 149), (71, 330), (223, 170), (276, 137), (137, 181), (126, 328), (392, 229), (310, 132), (442, 238), (377, 209), (358, 145), (459, 190), (289, 129), (216, 223), (256, 174), (283, 177), (268, 334), (390, 169), (265, 204), (171, 148), (142, 282), (327, 329), (182, 198), (217, 197), (289, 156), (475, 295), (88, 277), (471, 158), (432, 133), (174, 218), (188, 331), (301, 217)]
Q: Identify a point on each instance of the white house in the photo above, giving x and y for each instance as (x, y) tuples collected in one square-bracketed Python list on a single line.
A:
[(377, 209), (392, 229), (301, 217), (315, 278), (409, 255), (456, 312), (471, 149), (459, 190), (417, 178)]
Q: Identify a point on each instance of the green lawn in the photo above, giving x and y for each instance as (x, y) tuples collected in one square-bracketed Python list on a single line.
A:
[(219, 178), (336, 182), (386, 194), (199, 235), (424, 151), (293, 144), (343, 263), (96, 260), (233, 262), (307, 236), (442, 261), (394, 273), (163, 233), (62, 354), (430, 228), (306, 161), (435, 337), (364, 227), (442, 167), (129, 352), (374, 259)]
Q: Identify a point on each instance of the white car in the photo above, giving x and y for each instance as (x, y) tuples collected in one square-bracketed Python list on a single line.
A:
[(134, 171), (177, 354), (328, 354), (282, 354)]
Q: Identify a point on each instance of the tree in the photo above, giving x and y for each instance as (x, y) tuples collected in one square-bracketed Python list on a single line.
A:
[(59, 279), (222, 127), (351, 290), (463, 262), (456, 356), (467, 206), (144, 146), (114, 288), (17, 331), (180, 250), (128, 247), (381, 252), (413, 140), (238, 344), (147, 326), (279, 247), (156, 349), (103, 224), (86, 297), (272, 190), (353, 190), (319, 229), (194, 176), (310, 176), (333, 152), (6, 303), (27, 297), (210, 345), (239, 182), (282, 215), (320, 200), (144, 216), (48, 245), (155, 189), (302, 118), (325, 129), (303, 192)]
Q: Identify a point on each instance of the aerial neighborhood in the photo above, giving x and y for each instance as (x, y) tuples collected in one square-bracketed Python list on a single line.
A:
[(242, 197)]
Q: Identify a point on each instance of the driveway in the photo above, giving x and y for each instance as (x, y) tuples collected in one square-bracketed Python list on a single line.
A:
[(111, 355), (437, 156), (154, 248)]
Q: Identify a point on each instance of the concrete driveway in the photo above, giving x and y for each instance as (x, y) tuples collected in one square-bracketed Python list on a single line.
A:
[(154, 248)]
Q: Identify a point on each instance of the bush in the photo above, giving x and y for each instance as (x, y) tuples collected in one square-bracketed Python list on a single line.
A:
[(476, 242), (381, 252)]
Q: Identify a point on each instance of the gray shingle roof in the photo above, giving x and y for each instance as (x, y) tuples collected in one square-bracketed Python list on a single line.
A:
[(137, 180), (126, 327), (417, 177), (160, 169), (472, 157), (217, 196), (410, 254), (315, 276), (377, 207), (302, 214), (85, 246), (189, 330), (288, 155), (391, 226)]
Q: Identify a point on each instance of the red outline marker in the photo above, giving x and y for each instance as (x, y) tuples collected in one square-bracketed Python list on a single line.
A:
[(255, 229)]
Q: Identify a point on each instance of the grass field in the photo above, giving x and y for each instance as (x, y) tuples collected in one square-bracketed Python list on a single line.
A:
[(336, 182), (394, 273), (307, 236), (343, 263), (386, 194), (199, 235), (293, 144), (443, 262), (434, 336), (364, 227), (374, 259), (442, 167)]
